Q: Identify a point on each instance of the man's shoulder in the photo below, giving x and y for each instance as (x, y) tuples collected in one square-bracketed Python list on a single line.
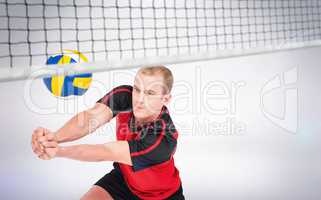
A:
[(167, 122), (165, 115), (124, 88), (121, 94)]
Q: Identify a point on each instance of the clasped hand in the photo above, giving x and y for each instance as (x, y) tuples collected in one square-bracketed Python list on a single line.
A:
[(44, 143)]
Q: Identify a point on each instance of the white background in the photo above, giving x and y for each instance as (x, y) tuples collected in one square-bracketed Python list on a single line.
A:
[(263, 161)]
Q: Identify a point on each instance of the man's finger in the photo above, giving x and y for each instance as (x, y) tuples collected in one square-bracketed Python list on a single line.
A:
[(48, 144), (38, 148), (40, 131), (51, 152), (35, 146), (50, 136), (39, 151), (44, 157), (42, 139), (36, 130), (36, 135), (41, 157)]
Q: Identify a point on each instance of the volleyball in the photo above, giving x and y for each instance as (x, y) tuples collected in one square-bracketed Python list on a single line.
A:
[(63, 86)]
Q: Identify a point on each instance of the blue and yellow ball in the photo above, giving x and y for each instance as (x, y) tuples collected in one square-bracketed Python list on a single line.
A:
[(63, 86)]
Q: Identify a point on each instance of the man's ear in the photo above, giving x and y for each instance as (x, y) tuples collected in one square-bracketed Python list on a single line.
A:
[(167, 98)]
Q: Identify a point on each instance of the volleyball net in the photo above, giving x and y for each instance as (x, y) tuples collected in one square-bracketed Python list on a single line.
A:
[(124, 34)]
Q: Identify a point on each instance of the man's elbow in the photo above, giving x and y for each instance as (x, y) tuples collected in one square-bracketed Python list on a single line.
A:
[(98, 116), (117, 152)]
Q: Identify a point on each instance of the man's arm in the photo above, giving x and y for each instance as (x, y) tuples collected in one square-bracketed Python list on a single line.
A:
[(80, 125), (112, 151), (84, 123), (117, 100)]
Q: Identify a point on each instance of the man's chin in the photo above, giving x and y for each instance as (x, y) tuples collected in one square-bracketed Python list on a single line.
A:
[(139, 114)]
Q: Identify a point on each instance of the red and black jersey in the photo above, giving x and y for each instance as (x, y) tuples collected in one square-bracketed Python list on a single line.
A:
[(153, 175)]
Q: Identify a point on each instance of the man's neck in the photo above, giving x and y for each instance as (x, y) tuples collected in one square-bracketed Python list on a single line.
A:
[(140, 121)]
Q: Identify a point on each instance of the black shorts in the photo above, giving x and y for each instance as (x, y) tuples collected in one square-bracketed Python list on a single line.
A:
[(115, 185)]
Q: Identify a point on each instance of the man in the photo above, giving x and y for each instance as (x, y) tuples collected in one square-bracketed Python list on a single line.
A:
[(146, 140)]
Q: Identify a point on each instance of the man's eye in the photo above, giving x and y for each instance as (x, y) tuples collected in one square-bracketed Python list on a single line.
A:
[(150, 93)]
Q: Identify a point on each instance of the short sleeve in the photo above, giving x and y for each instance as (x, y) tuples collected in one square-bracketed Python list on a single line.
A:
[(155, 146), (118, 99)]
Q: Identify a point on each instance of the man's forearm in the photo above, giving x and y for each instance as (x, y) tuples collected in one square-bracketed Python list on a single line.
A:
[(77, 127), (111, 151), (86, 152)]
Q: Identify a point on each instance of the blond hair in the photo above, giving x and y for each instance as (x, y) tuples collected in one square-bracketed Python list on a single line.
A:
[(164, 71)]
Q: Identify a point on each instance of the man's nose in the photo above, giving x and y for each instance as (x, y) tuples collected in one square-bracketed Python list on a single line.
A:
[(141, 97)]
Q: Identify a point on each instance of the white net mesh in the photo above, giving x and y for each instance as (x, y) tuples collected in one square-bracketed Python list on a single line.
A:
[(130, 33)]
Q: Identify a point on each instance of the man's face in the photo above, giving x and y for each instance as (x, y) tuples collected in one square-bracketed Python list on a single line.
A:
[(148, 95)]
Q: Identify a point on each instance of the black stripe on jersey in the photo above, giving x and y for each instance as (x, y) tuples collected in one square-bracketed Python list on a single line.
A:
[(148, 136), (170, 127), (156, 155), (118, 99)]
